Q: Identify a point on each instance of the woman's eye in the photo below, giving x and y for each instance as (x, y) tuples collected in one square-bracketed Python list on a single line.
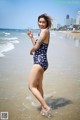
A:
[(41, 21)]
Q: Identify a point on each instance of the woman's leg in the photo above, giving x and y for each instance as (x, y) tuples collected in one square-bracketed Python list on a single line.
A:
[(40, 86), (35, 75)]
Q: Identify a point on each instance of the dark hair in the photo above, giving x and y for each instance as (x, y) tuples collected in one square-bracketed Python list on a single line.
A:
[(47, 18)]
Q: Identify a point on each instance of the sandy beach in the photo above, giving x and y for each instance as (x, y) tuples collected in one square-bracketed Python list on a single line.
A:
[(73, 33), (61, 80)]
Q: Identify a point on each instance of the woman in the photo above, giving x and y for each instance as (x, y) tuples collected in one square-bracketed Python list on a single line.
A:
[(39, 49)]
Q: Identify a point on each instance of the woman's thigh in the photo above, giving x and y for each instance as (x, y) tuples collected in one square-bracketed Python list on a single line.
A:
[(36, 75)]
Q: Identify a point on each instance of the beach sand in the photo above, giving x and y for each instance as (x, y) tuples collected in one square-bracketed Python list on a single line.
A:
[(61, 81), (73, 33)]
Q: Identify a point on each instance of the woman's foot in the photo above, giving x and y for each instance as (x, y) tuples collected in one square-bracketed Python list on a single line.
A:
[(46, 113)]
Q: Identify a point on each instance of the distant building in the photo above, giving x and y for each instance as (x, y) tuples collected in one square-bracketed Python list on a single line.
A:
[(58, 26), (54, 23), (52, 26), (72, 21), (67, 16), (78, 18), (67, 19)]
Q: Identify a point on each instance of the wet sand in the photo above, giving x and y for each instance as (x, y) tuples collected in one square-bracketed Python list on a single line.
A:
[(61, 81), (72, 33)]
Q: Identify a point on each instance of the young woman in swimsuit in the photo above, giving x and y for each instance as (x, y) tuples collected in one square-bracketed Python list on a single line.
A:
[(39, 52)]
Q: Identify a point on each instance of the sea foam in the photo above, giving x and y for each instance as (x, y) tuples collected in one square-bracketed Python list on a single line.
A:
[(5, 48), (11, 38)]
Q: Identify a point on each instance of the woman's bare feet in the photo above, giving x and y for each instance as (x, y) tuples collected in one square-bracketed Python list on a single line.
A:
[(46, 112)]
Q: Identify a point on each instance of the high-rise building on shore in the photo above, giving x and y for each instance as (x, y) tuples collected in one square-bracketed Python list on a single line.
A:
[(54, 22), (78, 18), (67, 19), (72, 21)]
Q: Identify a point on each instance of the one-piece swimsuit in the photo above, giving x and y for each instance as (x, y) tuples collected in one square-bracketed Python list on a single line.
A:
[(40, 56)]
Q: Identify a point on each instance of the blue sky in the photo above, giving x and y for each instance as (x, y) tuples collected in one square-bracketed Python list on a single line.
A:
[(24, 13)]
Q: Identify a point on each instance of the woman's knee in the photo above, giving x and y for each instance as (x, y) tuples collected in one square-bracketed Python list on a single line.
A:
[(35, 78), (31, 86)]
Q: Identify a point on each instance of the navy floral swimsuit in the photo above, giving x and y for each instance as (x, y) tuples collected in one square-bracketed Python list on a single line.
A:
[(40, 56)]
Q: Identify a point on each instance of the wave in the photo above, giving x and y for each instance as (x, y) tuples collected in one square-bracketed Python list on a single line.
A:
[(4, 33), (1, 55), (7, 44), (11, 38), (16, 41), (5, 48), (23, 33)]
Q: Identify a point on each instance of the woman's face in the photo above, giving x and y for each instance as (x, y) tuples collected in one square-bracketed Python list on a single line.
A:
[(42, 23)]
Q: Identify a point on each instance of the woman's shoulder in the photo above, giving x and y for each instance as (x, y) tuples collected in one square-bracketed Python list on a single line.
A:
[(46, 31)]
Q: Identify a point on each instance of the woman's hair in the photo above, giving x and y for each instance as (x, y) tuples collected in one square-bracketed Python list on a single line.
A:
[(47, 18)]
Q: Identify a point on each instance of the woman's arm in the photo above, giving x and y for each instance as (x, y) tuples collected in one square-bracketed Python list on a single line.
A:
[(39, 42), (29, 33)]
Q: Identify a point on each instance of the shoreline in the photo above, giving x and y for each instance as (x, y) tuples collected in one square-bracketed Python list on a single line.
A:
[(72, 33)]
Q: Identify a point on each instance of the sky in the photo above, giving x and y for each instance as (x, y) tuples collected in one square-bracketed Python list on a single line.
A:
[(23, 14)]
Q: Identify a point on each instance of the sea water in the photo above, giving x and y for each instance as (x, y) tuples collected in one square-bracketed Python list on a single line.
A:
[(10, 37)]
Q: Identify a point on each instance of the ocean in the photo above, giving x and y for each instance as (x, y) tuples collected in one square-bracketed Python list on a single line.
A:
[(10, 37)]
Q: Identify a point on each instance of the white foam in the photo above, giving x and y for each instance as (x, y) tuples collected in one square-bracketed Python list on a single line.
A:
[(15, 41), (7, 44), (6, 34), (1, 55), (12, 38), (34, 104), (5, 48), (23, 33), (28, 98)]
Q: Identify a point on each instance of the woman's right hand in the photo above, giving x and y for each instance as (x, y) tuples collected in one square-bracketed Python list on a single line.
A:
[(29, 33)]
